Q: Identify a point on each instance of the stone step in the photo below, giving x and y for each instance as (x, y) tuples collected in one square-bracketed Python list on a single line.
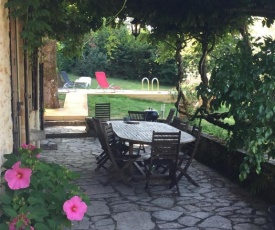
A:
[(72, 131), (65, 123)]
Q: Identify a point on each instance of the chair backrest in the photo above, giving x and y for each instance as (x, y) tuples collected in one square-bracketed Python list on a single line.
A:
[(176, 122), (111, 136), (137, 115), (99, 133), (65, 77), (170, 116), (103, 111), (184, 126), (109, 142), (102, 80), (165, 145)]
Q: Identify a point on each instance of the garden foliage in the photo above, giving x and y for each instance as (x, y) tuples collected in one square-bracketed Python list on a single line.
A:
[(38, 195), (244, 82), (116, 52)]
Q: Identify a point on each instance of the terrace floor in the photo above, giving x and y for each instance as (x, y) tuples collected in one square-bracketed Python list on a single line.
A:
[(216, 204)]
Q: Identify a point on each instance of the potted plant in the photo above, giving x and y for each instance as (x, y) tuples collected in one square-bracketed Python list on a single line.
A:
[(38, 194)]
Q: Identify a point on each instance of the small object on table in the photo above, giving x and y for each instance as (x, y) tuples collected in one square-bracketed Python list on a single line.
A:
[(132, 122)]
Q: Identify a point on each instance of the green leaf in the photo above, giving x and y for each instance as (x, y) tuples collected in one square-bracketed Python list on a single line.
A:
[(33, 201), (9, 211), (4, 226), (41, 226), (11, 159), (5, 199), (52, 223), (38, 212)]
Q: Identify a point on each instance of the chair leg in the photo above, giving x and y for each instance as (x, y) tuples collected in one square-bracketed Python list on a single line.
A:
[(100, 155), (189, 178), (101, 163), (120, 174), (101, 159), (141, 147)]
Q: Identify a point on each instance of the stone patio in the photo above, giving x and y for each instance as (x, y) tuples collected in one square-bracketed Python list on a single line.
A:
[(216, 204)]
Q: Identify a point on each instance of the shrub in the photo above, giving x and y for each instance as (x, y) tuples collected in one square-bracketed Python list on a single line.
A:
[(38, 195)]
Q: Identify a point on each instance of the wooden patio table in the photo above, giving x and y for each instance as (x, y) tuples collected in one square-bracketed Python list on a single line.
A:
[(140, 132)]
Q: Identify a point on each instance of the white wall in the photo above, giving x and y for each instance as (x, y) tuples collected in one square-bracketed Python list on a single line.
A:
[(6, 138)]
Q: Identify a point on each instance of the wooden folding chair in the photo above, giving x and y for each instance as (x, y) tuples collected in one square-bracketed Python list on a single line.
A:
[(169, 118), (103, 111), (164, 151), (104, 157), (184, 126), (138, 116), (176, 122), (121, 163), (187, 157)]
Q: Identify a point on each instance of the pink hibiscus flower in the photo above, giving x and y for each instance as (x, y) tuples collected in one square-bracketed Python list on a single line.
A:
[(18, 178), (75, 208), (24, 222), (29, 146)]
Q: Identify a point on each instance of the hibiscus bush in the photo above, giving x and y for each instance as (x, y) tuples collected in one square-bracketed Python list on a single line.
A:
[(38, 195)]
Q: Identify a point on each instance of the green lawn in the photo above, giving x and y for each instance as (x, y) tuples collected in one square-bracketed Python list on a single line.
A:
[(120, 105), (125, 84)]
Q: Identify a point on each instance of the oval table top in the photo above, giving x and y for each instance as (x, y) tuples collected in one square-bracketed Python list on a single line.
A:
[(141, 131)]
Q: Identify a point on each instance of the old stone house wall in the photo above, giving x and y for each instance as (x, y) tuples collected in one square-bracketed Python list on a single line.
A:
[(16, 88), (6, 138)]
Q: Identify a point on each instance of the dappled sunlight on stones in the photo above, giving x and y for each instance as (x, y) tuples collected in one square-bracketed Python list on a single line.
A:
[(125, 190), (188, 220), (98, 208), (124, 207), (164, 202), (247, 226), (134, 220), (105, 224), (99, 189), (81, 224), (167, 215), (191, 208), (149, 208), (201, 215), (216, 222), (170, 226), (216, 204), (227, 209)]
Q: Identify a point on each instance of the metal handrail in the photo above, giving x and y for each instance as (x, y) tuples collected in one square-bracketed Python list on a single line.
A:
[(155, 79), (145, 78)]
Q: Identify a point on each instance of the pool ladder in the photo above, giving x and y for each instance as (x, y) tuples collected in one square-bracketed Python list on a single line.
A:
[(148, 83)]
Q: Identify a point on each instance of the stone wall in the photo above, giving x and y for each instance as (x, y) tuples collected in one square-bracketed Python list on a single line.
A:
[(215, 154), (6, 138)]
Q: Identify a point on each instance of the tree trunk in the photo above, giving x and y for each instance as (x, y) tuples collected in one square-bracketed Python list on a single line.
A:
[(206, 41), (50, 83), (181, 103)]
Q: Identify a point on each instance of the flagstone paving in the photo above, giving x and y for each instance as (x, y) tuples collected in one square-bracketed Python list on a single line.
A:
[(216, 204)]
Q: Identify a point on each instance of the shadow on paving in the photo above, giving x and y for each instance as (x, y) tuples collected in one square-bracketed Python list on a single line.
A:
[(216, 204)]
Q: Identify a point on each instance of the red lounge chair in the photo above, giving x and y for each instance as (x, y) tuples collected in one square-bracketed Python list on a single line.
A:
[(103, 82)]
